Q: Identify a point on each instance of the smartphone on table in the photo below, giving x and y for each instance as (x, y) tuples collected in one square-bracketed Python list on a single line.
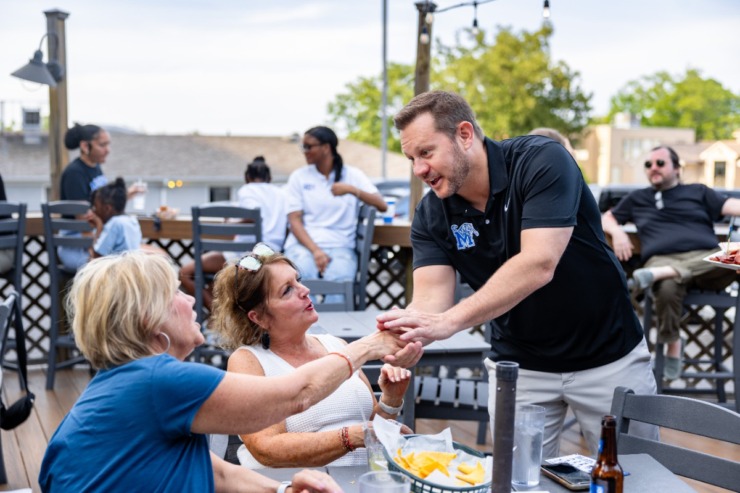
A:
[(567, 475)]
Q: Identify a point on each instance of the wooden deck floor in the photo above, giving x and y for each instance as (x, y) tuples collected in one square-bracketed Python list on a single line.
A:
[(23, 448)]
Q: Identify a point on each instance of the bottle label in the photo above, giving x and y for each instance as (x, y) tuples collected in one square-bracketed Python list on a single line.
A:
[(597, 488)]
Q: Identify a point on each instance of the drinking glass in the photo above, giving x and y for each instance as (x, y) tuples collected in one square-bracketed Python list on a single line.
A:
[(529, 430), (375, 459), (384, 482)]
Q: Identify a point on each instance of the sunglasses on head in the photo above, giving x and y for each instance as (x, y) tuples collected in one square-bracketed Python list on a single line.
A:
[(658, 162), (251, 262)]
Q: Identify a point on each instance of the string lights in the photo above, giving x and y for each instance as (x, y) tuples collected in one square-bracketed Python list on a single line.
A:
[(430, 9)]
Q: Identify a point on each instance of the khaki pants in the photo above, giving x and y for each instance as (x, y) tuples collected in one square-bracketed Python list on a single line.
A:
[(693, 272), (589, 393)]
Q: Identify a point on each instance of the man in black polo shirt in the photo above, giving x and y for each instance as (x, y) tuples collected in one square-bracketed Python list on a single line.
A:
[(675, 224), (517, 221)]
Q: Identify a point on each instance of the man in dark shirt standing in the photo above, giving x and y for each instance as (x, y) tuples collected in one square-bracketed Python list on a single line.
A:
[(517, 221), (675, 224)]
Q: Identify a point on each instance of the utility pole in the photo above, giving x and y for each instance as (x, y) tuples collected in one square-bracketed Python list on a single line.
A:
[(384, 98), (421, 82), (58, 119)]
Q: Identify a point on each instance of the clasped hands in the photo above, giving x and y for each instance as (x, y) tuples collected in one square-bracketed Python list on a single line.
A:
[(416, 328)]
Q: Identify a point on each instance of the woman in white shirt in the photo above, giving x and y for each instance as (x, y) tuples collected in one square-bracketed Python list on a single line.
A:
[(323, 202), (256, 193)]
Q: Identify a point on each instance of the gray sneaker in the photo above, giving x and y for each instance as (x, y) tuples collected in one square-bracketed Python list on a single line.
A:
[(643, 278), (673, 366)]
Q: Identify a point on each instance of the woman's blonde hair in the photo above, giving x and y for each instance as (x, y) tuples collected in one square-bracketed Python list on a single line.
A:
[(232, 302), (116, 302)]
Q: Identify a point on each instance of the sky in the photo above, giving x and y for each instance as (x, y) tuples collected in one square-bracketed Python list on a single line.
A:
[(243, 67)]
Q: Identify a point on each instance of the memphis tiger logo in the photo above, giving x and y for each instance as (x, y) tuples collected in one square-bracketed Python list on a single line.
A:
[(464, 235)]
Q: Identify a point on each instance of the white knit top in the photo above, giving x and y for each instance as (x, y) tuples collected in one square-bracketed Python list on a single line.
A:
[(341, 408)]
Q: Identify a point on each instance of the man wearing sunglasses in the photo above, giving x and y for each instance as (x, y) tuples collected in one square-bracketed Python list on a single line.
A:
[(675, 225)]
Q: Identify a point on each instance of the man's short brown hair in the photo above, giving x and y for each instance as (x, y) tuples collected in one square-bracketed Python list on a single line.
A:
[(448, 110)]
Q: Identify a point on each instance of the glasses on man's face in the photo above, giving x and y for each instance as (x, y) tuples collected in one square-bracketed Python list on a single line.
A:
[(251, 262), (308, 147), (659, 200), (658, 162)]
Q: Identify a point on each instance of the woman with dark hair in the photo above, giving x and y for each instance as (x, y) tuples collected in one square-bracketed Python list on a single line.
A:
[(84, 174), (82, 177), (323, 201)]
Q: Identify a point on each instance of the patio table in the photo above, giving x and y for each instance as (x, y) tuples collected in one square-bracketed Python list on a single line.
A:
[(461, 350), (647, 475)]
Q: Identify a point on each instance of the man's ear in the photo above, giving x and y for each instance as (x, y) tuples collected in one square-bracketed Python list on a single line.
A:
[(466, 134)]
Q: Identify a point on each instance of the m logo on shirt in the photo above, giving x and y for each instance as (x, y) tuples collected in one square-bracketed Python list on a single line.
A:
[(464, 235)]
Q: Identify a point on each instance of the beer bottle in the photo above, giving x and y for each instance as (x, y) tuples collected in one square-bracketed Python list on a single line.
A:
[(607, 475)]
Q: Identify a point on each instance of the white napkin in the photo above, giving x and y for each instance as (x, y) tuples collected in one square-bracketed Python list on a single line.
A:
[(389, 434)]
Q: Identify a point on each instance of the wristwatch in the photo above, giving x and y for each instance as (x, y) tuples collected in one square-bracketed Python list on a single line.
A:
[(388, 409), (284, 486)]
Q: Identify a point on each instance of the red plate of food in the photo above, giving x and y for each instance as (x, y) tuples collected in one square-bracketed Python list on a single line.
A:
[(728, 258)]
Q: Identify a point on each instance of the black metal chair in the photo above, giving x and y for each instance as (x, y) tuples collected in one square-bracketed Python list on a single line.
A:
[(683, 414), (60, 219), (323, 288), (711, 366), (363, 244), (214, 228), (12, 236), (12, 233), (11, 315)]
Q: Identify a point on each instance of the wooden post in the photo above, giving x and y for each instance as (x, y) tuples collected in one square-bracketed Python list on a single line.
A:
[(58, 119), (421, 84)]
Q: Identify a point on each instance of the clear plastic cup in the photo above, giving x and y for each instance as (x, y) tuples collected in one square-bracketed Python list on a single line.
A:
[(384, 482)]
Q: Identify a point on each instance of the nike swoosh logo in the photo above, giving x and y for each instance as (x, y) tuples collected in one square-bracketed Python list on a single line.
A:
[(506, 206)]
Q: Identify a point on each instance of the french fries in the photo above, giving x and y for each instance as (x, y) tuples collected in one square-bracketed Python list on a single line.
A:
[(423, 463)]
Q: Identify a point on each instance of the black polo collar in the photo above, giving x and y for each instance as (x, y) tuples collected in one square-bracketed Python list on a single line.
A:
[(498, 180)]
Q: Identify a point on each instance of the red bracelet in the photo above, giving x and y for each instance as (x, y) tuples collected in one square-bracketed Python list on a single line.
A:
[(344, 435), (349, 362)]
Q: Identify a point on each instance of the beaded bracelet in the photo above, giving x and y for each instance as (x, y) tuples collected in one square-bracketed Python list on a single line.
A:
[(344, 436), (349, 362)]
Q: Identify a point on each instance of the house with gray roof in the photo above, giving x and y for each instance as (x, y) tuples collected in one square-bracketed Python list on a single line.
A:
[(199, 168)]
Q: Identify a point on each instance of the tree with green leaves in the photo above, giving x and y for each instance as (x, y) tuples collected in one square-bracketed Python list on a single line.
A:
[(512, 85), (357, 111), (684, 101)]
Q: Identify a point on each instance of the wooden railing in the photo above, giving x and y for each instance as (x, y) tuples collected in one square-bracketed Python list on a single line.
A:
[(390, 259)]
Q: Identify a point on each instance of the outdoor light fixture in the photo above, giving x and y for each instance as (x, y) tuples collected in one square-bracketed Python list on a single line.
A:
[(424, 36), (546, 10), (38, 71), (475, 19)]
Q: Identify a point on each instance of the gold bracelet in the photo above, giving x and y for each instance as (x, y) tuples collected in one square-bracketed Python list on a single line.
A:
[(349, 362)]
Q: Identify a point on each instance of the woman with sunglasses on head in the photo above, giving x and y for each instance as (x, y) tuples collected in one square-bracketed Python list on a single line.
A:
[(142, 421), (263, 312), (323, 201)]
